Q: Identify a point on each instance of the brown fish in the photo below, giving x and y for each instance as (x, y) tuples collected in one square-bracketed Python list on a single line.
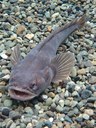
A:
[(33, 74)]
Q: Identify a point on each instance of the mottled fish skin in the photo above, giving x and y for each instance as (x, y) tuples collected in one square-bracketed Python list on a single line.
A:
[(32, 75)]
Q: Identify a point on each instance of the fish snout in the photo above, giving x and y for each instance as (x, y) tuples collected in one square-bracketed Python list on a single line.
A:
[(20, 93)]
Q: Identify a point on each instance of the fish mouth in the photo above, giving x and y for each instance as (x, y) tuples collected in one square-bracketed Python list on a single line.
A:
[(20, 94)]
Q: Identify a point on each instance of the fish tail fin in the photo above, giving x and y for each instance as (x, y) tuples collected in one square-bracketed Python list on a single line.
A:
[(80, 22)]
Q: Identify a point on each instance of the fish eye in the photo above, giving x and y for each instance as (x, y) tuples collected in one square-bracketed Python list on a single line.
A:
[(34, 86)]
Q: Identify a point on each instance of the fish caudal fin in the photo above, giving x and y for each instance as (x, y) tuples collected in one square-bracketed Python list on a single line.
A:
[(80, 22), (63, 64)]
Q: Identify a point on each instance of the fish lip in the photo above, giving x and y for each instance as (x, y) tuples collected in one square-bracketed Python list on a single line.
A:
[(27, 94)]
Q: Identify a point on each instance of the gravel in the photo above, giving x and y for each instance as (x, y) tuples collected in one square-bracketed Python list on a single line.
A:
[(71, 104)]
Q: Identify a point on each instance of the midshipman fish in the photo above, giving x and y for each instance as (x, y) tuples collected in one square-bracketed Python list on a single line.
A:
[(33, 74)]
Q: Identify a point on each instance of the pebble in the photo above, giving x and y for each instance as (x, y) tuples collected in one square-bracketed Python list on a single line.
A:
[(13, 125), (29, 36), (59, 108), (45, 97), (68, 119), (73, 72), (29, 18), (20, 29), (61, 103), (13, 1), (48, 123), (86, 94), (14, 115), (66, 93), (51, 119), (51, 94), (92, 80), (49, 28), (3, 55), (90, 112), (28, 110), (29, 125), (5, 111), (49, 101), (8, 103), (2, 47), (85, 116), (81, 71), (55, 15), (54, 126), (47, 14)]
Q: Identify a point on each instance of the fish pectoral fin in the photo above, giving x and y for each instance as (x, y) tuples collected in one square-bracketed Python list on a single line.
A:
[(63, 64), (15, 56)]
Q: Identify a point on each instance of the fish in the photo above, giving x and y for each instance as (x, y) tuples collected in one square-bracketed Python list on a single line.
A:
[(42, 65)]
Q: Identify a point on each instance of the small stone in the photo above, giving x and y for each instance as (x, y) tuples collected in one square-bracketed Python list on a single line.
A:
[(59, 108), (2, 47), (29, 125), (49, 101), (73, 103), (91, 99), (0, 94), (22, 125), (81, 71), (13, 37), (47, 14), (14, 115), (5, 71), (3, 55), (54, 126), (48, 123), (21, 1), (8, 103), (55, 15), (60, 124), (67, 102), (5, 111), (51, 94), (66, 93), (68, 119), (73, 72), (6, 77), (59, 89), (85, 116), (13, 125), (37, 107), (79, 33), (92, 80), (51, 119), (61, 103), (13, 1), (56, 99), (49, 28), (86, 94), (90, 112), (29, 19), (95, 104), (28, 110), (89, 42), (93, 62), (29, 36), (20, 29), (45, 97)]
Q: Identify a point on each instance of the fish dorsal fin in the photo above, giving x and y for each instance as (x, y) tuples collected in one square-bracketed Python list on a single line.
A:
[(63, 64), (15, 57)]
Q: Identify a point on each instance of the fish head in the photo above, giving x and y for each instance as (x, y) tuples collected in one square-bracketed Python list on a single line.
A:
[(25, 85)]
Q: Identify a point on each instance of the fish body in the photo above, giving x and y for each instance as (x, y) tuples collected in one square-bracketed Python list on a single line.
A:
[(32, 75)]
